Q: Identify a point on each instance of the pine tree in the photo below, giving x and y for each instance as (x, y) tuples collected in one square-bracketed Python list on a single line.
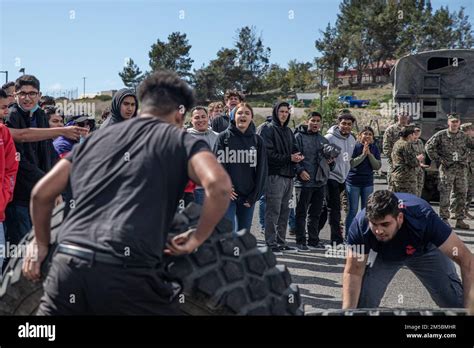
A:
[(131, 74)]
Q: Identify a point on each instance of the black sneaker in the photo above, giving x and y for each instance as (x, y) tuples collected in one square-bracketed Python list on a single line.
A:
[(287, 249), (276, 250), (292, 232), (302, 247)]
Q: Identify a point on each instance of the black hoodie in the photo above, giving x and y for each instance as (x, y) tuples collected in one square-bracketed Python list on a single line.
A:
[(115, 116), (280, 144), (36, 158), (250, 173), (311, 147), (220, 123)]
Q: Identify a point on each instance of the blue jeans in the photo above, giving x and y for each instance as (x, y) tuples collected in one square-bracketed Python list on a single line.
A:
[(261, 212), (353, 194), (443, 285), (199, 195), (2, 247), (17, 223), (261, 215), (240, 215), (292, 219)]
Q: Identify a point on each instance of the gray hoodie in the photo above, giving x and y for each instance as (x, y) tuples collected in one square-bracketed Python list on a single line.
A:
[(208, 135), (343, 161)]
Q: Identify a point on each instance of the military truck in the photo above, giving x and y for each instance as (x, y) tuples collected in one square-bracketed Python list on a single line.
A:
[(430, 85)]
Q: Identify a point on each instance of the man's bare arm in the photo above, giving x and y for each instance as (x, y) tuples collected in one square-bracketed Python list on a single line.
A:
[(204, 170), (352, 279), (43, 197), (456, 250), (28, 135)]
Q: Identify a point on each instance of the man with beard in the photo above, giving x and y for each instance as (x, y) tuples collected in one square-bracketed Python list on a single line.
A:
[(400, 229)]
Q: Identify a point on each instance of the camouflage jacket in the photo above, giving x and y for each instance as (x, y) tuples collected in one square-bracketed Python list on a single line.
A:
[(404, 161), (419, 146), (448, 148), (390, 137), (471, 161)]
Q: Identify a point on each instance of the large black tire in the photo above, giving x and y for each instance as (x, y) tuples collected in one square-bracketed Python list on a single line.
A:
[(228, 274), (19, 296)]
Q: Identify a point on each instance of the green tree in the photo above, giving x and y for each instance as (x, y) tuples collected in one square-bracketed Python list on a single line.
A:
[(463, 31), (172, 55), (300, 77), (221, 74), (253, 58), (352, 26), (276, 78), (131, 74), (205, 84), (333, 52)]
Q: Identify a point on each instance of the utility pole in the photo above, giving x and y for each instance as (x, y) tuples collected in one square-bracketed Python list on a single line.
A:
[(84, 93), (6, 75), (321, 91)]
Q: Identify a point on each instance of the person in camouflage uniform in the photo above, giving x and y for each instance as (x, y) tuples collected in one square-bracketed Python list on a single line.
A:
[(405, 162), (420, 170), (469, 130), (449, 149), (390, 137)]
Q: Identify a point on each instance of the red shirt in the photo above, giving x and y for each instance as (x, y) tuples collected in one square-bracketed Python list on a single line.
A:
[(8, 168), (190, 187)]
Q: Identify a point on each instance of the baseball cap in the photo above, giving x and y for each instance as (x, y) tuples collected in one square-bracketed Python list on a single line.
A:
[(454, 116)]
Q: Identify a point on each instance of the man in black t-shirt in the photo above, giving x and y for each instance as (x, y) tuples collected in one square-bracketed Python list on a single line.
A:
[(126, 182), (400, 229)]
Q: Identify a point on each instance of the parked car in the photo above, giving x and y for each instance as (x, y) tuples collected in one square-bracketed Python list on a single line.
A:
[(352, 102)]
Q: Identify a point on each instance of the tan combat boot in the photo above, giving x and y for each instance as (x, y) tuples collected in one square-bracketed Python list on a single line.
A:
[(462, 225)]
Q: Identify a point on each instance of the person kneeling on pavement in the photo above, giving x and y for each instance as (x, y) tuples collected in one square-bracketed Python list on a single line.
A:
[(401, 229)]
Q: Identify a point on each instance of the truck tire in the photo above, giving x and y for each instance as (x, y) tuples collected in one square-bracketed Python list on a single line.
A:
[(227, 275), (19, 296)]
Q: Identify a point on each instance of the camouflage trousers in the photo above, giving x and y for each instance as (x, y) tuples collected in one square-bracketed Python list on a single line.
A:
[(470, 189), (420, 181), (389, 172), (452, 191), (407, 186)]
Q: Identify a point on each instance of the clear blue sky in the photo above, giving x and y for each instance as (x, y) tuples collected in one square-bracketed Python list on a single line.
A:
[(61, 41)]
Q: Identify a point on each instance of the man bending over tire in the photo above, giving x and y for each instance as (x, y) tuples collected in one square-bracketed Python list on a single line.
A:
[(126, 182), (400, 229)]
